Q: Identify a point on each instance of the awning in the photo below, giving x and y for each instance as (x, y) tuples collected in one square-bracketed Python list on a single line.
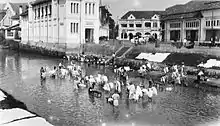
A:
[(158, 57), (14, 27)]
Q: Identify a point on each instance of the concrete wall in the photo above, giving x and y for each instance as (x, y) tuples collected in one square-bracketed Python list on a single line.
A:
[(50, 29)]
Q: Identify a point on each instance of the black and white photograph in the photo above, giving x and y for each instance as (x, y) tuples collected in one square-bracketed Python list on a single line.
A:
[(109, 62)]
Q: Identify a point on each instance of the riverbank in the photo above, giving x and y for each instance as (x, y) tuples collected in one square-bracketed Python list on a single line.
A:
[(14, 113)]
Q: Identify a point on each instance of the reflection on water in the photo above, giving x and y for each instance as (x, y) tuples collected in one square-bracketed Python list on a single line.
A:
[(59, 103)]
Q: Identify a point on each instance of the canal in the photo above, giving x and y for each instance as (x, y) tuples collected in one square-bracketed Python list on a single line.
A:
[(59, 103)]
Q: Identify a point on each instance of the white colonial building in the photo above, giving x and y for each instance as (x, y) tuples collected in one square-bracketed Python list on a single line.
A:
[(62, 22), (195, 21), (140, 23)]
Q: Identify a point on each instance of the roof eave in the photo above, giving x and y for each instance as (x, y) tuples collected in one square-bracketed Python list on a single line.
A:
[(34, 3)]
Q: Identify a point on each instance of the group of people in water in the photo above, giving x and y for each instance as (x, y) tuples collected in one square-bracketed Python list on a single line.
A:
[(99, 85)]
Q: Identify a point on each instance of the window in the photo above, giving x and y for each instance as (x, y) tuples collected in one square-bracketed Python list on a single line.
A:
[(50, 9), (155, 24), (71, 27), (74, 11), (77, 8), (139, 25), (74, 28), (71, 7), (193, 24), (176, 25), (46, 10), (86, 8), (124, 25), (89, 8), (42, 11), (77, 27), (131, 25), (147, 24), (38, 12), (35, 13), (208, 23), (218, 23), (93, 9)]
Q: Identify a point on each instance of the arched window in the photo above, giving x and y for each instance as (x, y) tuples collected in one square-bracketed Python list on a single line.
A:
[(131, 36), (122, 35), (125, 35)]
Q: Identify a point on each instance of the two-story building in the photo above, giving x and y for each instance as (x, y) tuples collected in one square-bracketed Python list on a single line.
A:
[(62, 22), (10, 19), (140, 23), (195, 21)]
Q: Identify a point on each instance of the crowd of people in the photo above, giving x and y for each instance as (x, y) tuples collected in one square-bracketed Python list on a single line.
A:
[(100, 84), (113, 90)]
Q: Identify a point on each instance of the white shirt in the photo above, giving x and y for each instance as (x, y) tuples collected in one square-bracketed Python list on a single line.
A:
[(201, 73)]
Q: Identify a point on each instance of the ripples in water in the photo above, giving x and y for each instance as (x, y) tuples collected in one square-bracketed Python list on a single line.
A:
[(62, 105)]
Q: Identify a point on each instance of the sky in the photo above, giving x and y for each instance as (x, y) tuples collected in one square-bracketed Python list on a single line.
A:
[(119, 7)]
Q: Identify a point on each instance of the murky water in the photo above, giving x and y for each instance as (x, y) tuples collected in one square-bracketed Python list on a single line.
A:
[(61, 105)]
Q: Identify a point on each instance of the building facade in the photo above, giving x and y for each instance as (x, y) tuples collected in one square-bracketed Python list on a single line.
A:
[(62, 22), (140, 23), (197, 21), (10, 19)]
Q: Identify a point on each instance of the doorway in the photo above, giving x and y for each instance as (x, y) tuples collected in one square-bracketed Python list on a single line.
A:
[(89, 35)]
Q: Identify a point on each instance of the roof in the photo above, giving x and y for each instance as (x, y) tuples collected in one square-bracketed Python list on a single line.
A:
[(15, 17), (142, 14), (2, 14), (14, 27), (193, 6), (16, 6), (183, 16), (36, 2)]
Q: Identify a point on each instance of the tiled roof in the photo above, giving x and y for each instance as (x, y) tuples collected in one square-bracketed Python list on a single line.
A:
[(142, 14), (193, 6), (35, 2), (182, 16), (16, 6), (15, 17), (2, 14)]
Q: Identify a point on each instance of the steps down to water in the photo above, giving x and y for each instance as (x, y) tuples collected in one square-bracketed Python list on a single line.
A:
[(121, 51)]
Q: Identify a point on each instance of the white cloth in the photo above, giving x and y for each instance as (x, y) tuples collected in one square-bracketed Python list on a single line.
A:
[(200, 73), (115, 96), (111, 85), (115, 103), (118, 86), (60, 64), (132, 90), (107, 87), (154, 89)]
